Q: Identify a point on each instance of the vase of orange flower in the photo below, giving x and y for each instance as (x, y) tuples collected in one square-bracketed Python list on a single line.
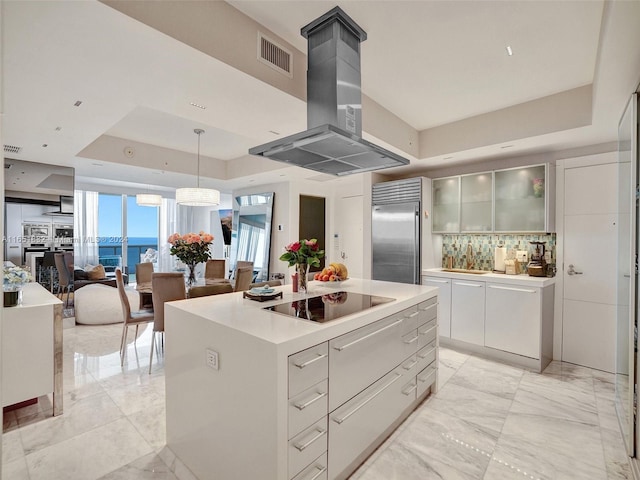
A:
[(191, 249)]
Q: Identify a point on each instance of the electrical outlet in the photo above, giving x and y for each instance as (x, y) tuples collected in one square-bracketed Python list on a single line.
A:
[(212, 359)]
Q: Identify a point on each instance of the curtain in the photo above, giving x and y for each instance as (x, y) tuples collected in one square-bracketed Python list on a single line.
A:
[(167, 226), (85, 228)]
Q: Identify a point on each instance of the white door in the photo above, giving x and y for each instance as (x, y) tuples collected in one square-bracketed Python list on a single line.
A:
[(590, 259), (347, 245)]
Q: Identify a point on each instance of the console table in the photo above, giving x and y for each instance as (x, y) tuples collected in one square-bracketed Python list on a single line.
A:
[(32, 348)]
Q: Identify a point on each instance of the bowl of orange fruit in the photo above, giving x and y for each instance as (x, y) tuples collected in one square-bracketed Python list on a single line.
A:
[(333, 275)]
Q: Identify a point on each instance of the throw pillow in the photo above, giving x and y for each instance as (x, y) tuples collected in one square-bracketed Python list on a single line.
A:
[(96, 273), (79, 274)]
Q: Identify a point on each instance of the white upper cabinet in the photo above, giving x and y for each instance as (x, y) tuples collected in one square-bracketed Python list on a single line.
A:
[(523, 199), (446, 205), (476, 205), (517, 200)]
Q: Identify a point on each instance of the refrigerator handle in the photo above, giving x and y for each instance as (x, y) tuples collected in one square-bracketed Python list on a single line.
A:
[(417, 246)]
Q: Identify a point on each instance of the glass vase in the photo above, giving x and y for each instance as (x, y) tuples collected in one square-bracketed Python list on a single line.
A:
[(191, 279), (302, 270), (12, 298)]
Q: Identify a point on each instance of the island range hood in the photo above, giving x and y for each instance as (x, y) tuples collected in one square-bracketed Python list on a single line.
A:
[(333, 143)]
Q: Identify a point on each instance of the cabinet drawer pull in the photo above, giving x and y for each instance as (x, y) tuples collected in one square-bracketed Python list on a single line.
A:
[(425, 355), (302, 406), (408, 392), (413, 364), (409, 342), (358, 340), (437, 281), (309, 362), (425, 375), (320, 471), (413, 314), (428, 330), (475, 285), (362, 404), (526, 290), (319, 433)]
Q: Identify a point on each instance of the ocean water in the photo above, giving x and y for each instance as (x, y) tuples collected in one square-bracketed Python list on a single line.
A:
[(111, 241)]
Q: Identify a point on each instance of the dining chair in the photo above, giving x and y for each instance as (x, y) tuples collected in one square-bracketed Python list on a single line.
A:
[(65, 283), (143, 281), (243, 277), (214, 270), (206, 290), (166, 287), (244, 264), (130, 318)]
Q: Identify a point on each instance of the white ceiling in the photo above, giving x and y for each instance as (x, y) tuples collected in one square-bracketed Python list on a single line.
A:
[(428, 62)]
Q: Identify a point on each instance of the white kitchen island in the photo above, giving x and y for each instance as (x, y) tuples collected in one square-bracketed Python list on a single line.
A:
[(256, 394)]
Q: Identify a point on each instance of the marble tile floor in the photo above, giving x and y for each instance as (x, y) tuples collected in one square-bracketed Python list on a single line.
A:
[(487, 421)]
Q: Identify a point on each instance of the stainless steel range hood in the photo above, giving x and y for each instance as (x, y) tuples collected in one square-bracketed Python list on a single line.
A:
[(333, 142)]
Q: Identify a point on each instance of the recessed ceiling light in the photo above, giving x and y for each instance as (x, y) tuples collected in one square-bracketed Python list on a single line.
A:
[(58, 129), (506, 146), (45, 145), (78, 103), (509, 51), (199, 106)]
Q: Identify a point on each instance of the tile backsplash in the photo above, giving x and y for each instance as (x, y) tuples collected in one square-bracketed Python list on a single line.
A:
[(483, 247)]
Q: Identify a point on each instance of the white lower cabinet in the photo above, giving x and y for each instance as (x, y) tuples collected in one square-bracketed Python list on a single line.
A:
[(513, 317), (444, 303), (307, 446), (362, 419), (467, 311)]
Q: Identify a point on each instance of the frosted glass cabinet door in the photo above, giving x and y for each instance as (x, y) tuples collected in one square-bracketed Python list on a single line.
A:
[(446, 205), (520, 199), (476, 206)]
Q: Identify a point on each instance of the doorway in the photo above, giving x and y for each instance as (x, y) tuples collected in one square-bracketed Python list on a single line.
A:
[(312, 223)]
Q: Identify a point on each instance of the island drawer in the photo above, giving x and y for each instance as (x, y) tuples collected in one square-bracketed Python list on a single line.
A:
[(308, 407), (410, 317), (427, 332), (307, 446), (316, 471), (426, 378), (307, 368), (356, 424), (426, 355), (359, 358), (427, 310)]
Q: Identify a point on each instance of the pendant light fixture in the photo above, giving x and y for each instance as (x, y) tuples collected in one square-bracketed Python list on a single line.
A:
[(148, 200), (197, 197)]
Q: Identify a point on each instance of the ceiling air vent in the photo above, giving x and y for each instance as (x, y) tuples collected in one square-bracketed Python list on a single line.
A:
[(12, 149), (273, 55)]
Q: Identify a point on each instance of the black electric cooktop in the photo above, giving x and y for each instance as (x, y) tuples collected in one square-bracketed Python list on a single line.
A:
[(331, 306)]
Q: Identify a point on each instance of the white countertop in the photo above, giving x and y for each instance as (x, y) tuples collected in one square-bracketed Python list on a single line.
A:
[(35, 295), (248, 316), (524, 280)]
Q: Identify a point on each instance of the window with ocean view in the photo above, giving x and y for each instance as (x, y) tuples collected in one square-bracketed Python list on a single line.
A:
[(122, 244)]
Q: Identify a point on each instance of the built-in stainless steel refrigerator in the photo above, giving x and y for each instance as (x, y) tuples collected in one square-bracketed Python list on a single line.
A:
[(395, 230)]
